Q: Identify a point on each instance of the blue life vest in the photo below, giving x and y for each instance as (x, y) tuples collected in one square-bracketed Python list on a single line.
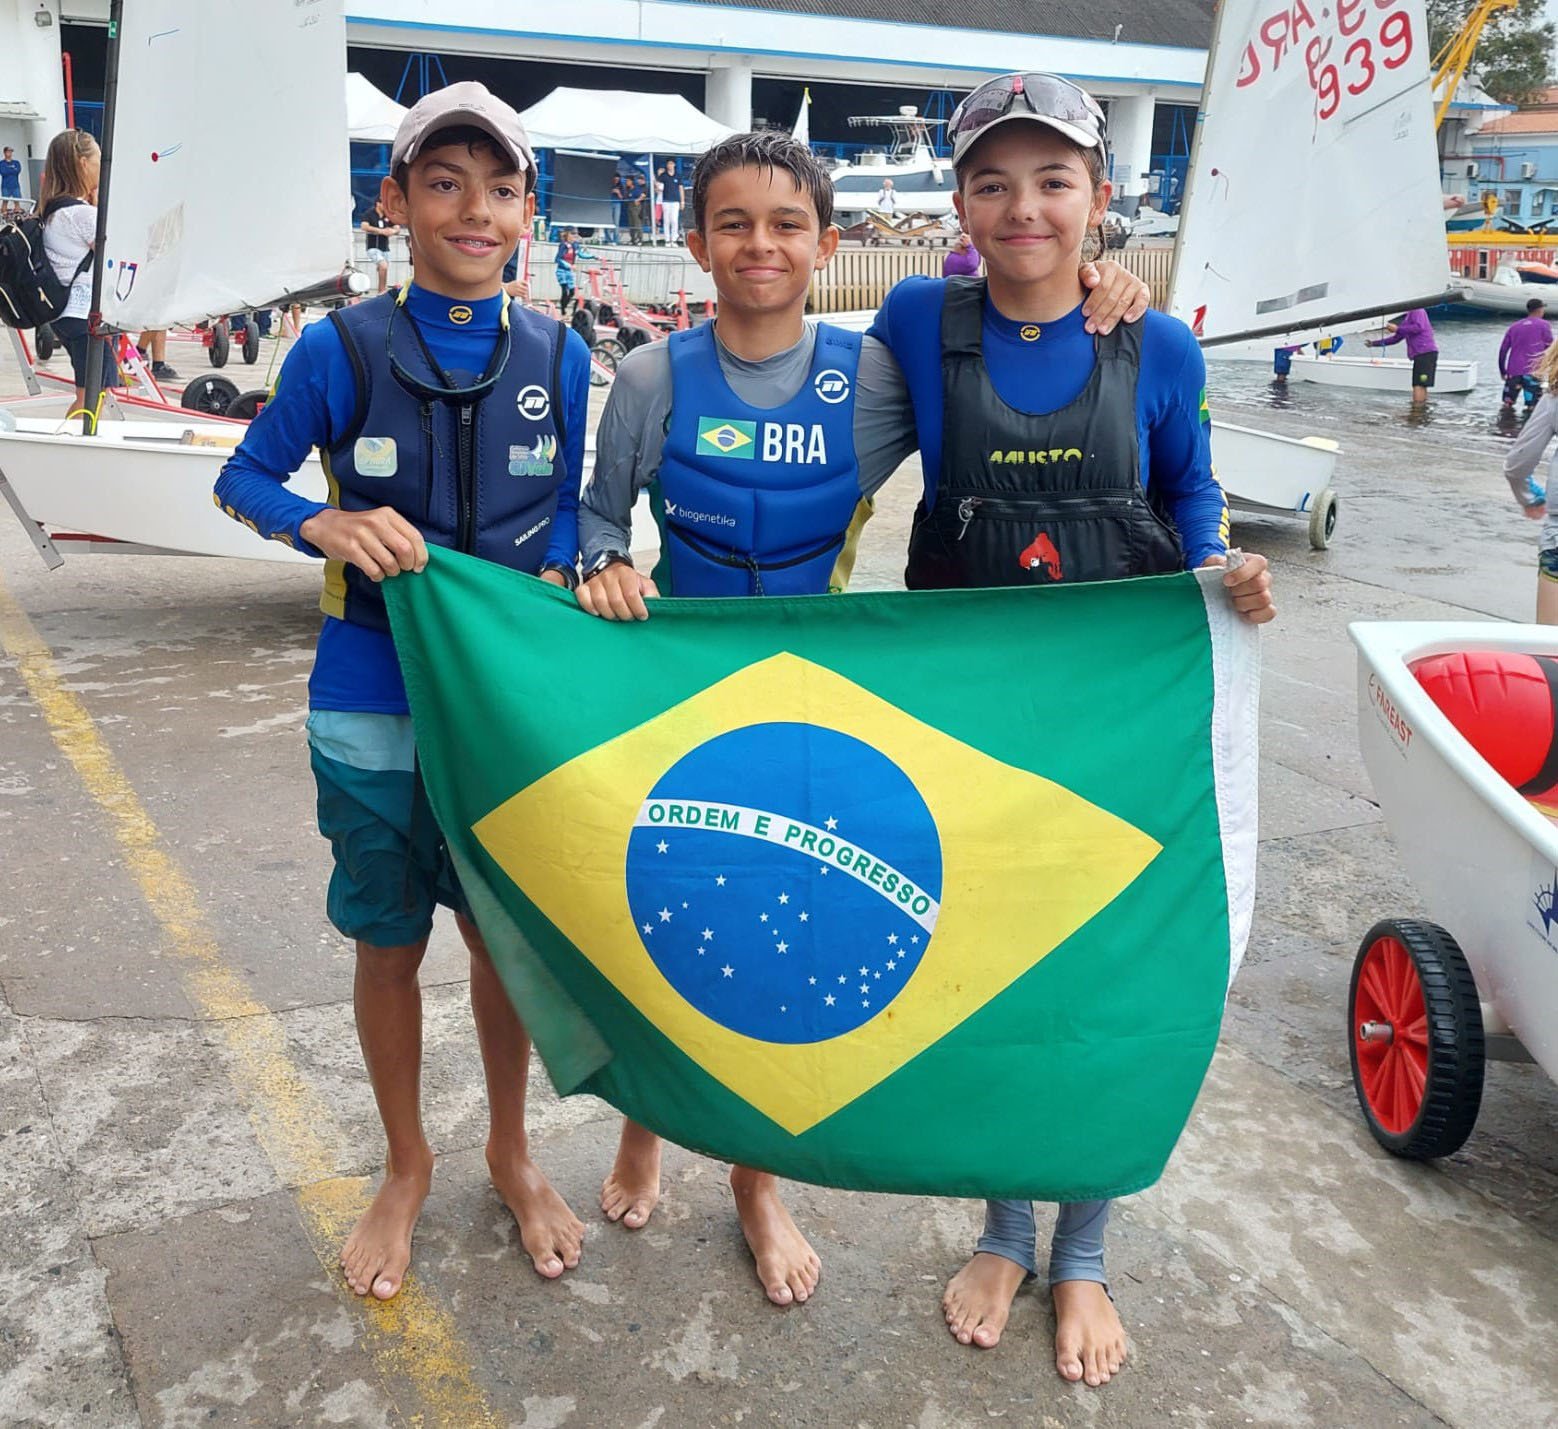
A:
[(756, 500), (479, 475)]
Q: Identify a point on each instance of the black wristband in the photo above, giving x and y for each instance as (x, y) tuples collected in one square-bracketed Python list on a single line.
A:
[(568, 573)]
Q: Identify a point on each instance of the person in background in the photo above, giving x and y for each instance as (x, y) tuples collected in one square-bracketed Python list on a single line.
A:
[(1524, 343), (962, 259), (153, 345), (567, 256), (379, 230), (637, 197), (1417, 332), (886, 198), (10, 183), (618, 202), (515, 284), (1519, 466), (67, 201), (671, 195)]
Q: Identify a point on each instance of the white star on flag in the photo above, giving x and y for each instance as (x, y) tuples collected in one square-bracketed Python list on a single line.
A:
[(891, 937), (708, 935), (665, 915), (649, 927), (661, 846), (784, 947), (719, 882), (784, 897), (727, 970), (812, 981), (762, 917), (832, 824), (805, 917), (828, 1000)]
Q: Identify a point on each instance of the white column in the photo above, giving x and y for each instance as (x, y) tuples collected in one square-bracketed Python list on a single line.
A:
[(30, 68), (727, 93), (1130, 142)]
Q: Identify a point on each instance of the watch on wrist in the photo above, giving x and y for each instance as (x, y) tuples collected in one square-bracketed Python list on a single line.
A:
[(568, 573), (605, 559)]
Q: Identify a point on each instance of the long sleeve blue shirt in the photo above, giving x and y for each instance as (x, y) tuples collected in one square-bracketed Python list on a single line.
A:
[(355, 668), (1172, 426)]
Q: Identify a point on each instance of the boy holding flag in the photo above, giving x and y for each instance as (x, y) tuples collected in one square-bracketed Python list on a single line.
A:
[(445, 415)]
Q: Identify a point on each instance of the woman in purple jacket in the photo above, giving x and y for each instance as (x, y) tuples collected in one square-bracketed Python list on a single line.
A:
[(1422, 349)]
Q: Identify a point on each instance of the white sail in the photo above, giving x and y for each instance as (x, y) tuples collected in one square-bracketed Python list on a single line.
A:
[(1314, 191), (230, 181)]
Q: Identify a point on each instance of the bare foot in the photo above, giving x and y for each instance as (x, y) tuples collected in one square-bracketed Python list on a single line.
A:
[(1089, 1338), (787, 1266), (551, 1234), (631, 1191), (979, 1298), (378, 1250)]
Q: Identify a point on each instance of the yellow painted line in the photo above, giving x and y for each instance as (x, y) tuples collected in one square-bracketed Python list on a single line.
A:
[(411, 1337)]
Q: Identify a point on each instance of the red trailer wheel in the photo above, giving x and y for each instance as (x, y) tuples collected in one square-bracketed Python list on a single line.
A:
[(1415, 1039)]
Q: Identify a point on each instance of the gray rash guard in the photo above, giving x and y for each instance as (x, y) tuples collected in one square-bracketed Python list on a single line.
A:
[(632, 428)]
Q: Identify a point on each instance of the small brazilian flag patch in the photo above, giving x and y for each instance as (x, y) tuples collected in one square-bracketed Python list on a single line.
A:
[(1206, 412), (718, 436)]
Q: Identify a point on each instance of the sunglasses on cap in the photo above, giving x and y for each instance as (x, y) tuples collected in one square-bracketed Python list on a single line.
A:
[(1047, 97)]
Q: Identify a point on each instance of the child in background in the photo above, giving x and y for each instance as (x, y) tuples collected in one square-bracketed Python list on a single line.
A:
[(1519, 466)]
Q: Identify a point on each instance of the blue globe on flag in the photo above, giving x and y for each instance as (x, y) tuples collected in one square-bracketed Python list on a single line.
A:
[(785, 879)]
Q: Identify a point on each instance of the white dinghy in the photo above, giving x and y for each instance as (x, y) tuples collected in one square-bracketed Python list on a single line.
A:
[(176, 244), (1382, 374), (1352, 151)]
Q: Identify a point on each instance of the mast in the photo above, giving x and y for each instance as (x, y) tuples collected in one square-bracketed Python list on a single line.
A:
[(95, 349)]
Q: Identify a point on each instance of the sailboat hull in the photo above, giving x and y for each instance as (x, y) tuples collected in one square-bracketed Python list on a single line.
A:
[(139, 482), (1381, 374), (1264, 472)]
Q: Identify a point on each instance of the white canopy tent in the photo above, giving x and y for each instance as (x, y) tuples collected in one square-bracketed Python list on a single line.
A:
[(620, 121), (372, 117)]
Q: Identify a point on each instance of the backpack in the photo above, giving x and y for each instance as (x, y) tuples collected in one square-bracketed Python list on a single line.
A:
[(31, 292)]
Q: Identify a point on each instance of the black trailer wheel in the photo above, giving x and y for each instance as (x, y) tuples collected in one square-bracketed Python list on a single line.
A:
[(245, 407), (1322, 520), (1415, 1039), (251, 341), (46, 343), (221, 344), (603, 367), (212, 395)]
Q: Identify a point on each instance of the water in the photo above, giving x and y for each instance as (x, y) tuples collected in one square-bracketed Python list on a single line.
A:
[(1239, 391)]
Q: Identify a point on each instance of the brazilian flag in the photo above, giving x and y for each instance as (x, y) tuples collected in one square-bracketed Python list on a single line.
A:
[(916, 892)]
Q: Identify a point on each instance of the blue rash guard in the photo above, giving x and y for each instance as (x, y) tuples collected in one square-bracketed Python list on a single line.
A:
[(1045, 373), (355, 668)]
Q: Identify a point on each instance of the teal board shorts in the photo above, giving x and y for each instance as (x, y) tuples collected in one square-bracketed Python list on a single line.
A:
[(392, 866)]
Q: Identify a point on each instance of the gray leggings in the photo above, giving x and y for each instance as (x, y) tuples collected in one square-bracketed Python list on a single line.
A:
[(1076, 1249)]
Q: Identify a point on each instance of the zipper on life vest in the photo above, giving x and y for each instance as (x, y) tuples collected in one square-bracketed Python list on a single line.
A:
[(1056, 506), (467, 476), (425, 419)]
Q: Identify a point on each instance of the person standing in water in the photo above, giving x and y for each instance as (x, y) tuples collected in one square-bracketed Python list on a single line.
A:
[(1524, 343), (1414, 329)]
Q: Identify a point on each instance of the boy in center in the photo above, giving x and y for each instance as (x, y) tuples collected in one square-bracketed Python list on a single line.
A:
[(761, 439)]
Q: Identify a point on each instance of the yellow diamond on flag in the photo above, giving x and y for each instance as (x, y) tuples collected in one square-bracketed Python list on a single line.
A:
[(626, 850)]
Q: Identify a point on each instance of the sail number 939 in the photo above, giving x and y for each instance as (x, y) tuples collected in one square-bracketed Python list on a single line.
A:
[(1343, 52)]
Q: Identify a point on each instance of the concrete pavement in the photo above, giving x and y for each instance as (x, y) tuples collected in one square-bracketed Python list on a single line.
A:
[(185, 1126)]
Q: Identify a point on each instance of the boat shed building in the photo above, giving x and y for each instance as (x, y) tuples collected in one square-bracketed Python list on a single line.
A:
[(744, 62)]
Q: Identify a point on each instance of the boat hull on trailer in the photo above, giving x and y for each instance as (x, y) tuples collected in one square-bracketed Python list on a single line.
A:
[(145, 483), (1268, 474), (1382, 374), (1484, 860)]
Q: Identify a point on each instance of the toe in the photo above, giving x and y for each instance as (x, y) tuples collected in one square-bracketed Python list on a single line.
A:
[(547, 1264), (987, 1337), (385, 1287), (780, 1293), (1069, 1365)]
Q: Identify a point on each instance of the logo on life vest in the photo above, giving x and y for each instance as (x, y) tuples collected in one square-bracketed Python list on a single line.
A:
[(375, 456), (534, 460), (1042, 556), (673, 512), (534, 402), (1052, 457), (719, 437), (832, 386), (461, 314), (1029, 332)]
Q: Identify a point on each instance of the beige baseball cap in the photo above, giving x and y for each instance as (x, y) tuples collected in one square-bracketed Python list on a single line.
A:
[(465, 103)]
